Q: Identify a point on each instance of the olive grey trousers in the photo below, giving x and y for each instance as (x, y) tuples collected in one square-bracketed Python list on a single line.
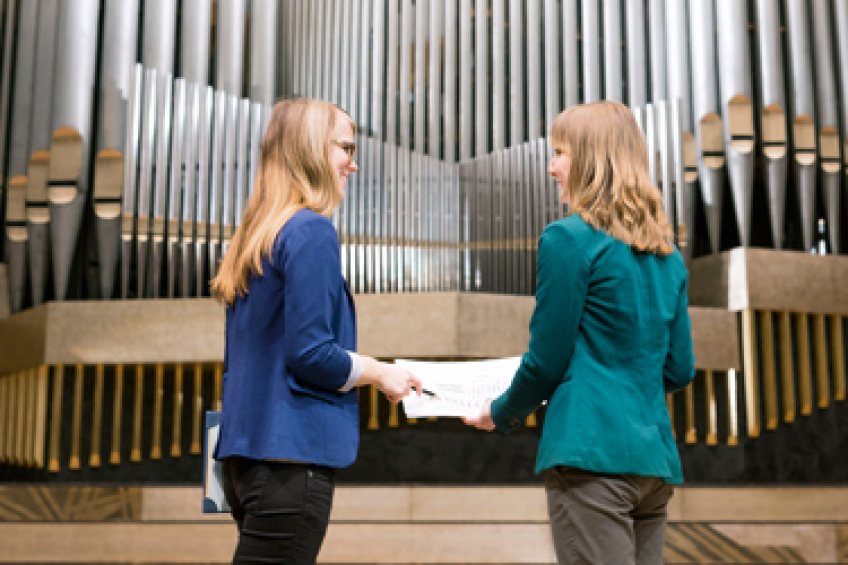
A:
[(602, 519)]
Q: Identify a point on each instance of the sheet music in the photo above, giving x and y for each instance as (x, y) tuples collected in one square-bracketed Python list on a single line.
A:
[(460, 387)]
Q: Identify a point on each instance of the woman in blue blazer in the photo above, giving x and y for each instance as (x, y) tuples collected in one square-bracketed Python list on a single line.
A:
[(609, 336), (289, 414)]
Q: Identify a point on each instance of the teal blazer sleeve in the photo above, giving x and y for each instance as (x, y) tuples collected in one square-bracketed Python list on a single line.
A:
[(561, 288)]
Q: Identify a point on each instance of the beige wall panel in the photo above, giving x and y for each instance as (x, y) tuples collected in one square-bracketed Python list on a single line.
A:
[(715, 338), (815, 543), (752, 504), (769, 279)]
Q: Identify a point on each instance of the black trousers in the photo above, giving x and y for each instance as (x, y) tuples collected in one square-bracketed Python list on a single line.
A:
[(281, 510)]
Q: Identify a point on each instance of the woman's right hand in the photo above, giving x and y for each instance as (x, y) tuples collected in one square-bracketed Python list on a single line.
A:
[(397, 382), (393, 381)]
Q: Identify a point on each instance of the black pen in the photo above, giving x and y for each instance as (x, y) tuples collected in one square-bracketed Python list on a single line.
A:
[(429, 393)]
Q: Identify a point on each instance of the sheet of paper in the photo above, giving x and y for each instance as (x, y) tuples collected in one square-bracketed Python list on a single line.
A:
[(460, 387)]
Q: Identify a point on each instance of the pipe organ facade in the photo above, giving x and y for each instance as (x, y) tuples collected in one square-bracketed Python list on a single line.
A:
[(131, 128)]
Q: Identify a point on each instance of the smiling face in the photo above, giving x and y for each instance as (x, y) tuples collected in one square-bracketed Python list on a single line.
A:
[(559, 168), (342, 145)]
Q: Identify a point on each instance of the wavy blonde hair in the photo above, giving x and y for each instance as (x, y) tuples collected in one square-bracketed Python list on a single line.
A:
[(294, 173), (608, 183)]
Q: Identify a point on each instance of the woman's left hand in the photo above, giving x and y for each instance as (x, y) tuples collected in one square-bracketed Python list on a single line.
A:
[(482, 421)]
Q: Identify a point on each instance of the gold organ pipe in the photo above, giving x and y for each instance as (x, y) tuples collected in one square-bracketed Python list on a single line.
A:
[(837, 345), (373, 420), (177, 423), (76, 422), (691, 430), (56, 418), (20, 426), (97, 417), (787, 370), (43, 376), (32, 399), (750, 371), (769, 369), (117, 412), (197, 412), (805, 385), (732, 409), (393, 416), (822, 372), (219, 369), (712, 408), (4, 414), (531, 420), (158, 400), (135, 450), (10, 420)]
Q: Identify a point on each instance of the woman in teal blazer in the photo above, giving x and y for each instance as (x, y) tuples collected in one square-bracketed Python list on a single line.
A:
[(609, 336), (289, 415)]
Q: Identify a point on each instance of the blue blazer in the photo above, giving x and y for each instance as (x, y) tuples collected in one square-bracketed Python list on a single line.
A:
[(286, 354)]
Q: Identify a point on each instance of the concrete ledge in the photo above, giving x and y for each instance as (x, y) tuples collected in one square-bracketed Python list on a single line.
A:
[(768, 279), (444, 325)]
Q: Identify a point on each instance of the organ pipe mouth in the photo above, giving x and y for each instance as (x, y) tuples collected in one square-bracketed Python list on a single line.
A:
[(774, 132), (712, 141), (805, 139), (829, 150), (65, 165), (740, 123)]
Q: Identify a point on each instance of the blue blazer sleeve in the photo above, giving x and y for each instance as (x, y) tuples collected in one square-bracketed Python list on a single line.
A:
[(310, 264), (561, 290), (679, 368)]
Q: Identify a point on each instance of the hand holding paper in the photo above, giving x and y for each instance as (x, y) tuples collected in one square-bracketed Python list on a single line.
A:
[(459, 388)]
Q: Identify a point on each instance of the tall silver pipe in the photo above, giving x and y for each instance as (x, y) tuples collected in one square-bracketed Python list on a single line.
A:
[(637, 61), (535, 100), (657, 31), (553, 103), (392, 47), (22, 100), (591, 51), (189, 163), (773, 112), (406, 40), (841, 17), (132, 157), (159, 210), (16, 241), (144, 194), (205, 174), (73, 103), (349, 57), (117, 66), (666, 158), (570, 52), (465, 94), (737, 95), (499, 93), (339, 38), (263, 51), (481, 70), (450, 104), (685, 162), (517, 127), (159, 41), (5, 91), (830, 159), (172, 219), (420, 90), (435, 95), (37, 211), (535, 104), (195, 36), (613, 70), (802, 102), (705, 110), (229, 49)]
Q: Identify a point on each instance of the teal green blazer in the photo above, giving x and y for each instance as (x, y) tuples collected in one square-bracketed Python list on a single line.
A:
[(609, 336)]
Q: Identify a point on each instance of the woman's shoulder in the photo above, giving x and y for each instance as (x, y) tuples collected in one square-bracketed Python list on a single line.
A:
[(306, 223), (571, 227)]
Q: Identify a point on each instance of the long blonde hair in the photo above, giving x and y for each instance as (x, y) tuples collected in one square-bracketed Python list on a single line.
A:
[(608, 183), (294, 173)]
